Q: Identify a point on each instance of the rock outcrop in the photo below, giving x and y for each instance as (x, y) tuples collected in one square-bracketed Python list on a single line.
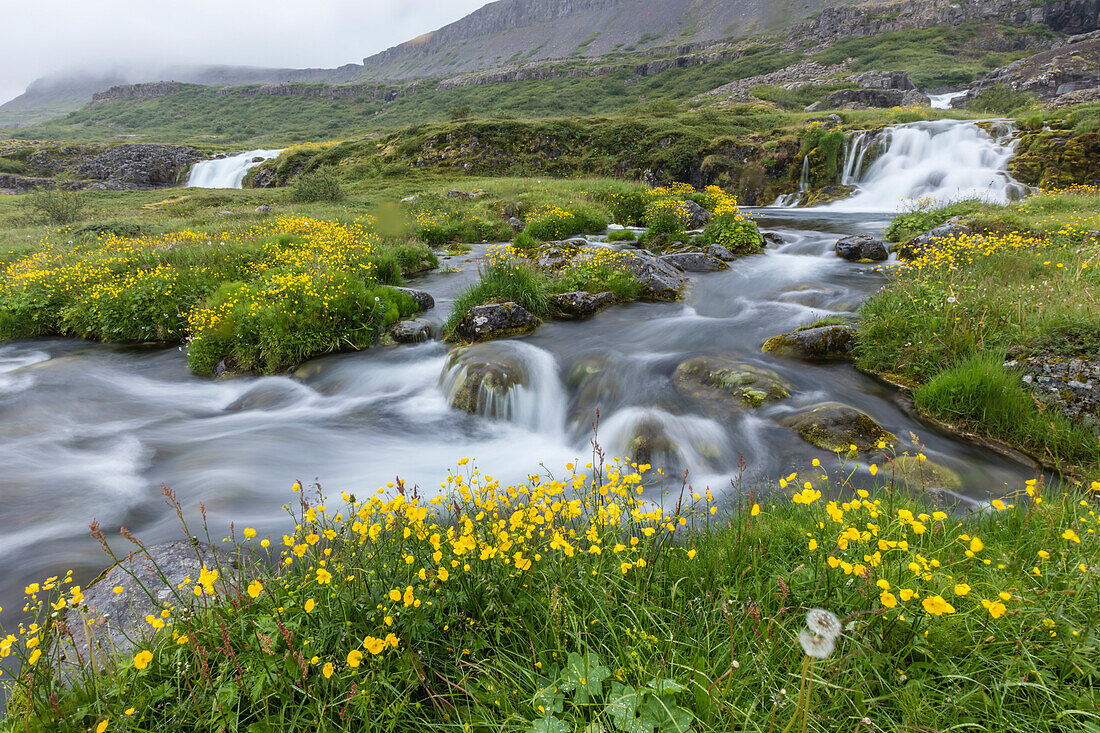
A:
[(659, 280), (127, 166), (494, 321)]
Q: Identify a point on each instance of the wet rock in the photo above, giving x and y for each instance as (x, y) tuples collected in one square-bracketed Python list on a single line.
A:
[(826, 195), (920, 474), (833, 426), (862, 248), (422, 298), (1070, 385), (720, 252), (659, 280), (416, 331), (772, 238), (735, 384), (954, 227), (698, 217), (555, 256), (496, 320), (484, 376), (695, 261), (116, 621), (580, 304), (649, 443), (823, 343)]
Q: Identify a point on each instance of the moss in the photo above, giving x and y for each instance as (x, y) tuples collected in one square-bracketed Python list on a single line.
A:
[(824, 343), (834, 427), (720, 380), (1049, 160), (925, 474)]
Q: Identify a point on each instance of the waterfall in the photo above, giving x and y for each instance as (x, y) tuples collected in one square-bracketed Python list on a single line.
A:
[(943, 101), (945, 160), (652, 435), (227, 172), (856, 145), (793, 199), (534, 399)]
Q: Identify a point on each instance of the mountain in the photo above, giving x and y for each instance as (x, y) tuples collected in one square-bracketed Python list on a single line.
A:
[(511, 31), (59, 94)]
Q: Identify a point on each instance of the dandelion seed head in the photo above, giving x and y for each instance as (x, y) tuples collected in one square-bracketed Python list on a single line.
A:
[(815, 645), (823, 623)]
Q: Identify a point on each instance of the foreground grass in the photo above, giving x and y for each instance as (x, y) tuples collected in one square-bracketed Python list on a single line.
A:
[(1026, 284), (567, 602)]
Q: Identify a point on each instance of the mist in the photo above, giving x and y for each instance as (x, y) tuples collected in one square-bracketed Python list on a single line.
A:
[(52, 36)]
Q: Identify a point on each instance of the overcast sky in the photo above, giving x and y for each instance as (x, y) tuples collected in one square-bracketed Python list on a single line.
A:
[(47, 36)]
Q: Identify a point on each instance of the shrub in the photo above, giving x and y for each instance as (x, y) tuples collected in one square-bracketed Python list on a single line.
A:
[(666, 216), (525, 242), (555, 222), (735, 232), (602, 271), (505, 277), (320, 185), (1001, 99), (626, 202), (440, 226), (57, 204), (412, 257), (460, 112)]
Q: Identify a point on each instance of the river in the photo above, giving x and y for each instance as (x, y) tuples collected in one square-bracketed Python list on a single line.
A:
[(93, 431)]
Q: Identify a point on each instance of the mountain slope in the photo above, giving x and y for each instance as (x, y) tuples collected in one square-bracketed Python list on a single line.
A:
[(510, 31)]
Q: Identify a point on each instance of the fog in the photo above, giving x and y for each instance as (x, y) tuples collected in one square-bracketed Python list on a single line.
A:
[(50, 36)]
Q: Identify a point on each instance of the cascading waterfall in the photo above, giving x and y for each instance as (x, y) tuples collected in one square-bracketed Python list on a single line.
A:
[(943, 101), (535, 401), (652, 435), (793, 199), (227, 172), (856, 145), (945, 160)]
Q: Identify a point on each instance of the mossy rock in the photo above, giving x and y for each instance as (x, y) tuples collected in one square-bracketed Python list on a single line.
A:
[(925, 474), (732, 383), (486, 374), (650, 444), (823, 343), (836, 427)]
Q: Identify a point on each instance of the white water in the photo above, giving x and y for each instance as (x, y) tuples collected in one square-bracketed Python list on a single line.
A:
[(536, 403), (226, 172), (793, 199), (943, 101), (945, 160)]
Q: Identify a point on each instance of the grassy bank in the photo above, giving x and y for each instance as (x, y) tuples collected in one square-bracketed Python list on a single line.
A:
[(567, 602), (1024, 285)]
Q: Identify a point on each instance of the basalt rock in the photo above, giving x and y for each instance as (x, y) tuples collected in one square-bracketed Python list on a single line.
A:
[(696, 261), (494, 321), (823, 343), (954, 227), (1070, 385), (659, 280), (720, 380), (862, 248), (833, 426), (719, 252), (414, 331), (864, 98), (580, 304), (422, 299), (698, 217)]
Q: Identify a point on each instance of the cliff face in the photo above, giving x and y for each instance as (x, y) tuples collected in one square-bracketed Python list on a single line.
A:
[(510, 31)]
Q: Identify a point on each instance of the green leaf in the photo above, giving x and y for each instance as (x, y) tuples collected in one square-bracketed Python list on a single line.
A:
[(622, 708), (664, 714), (584, 677), (550, 698), (548, 725), (665, 687)]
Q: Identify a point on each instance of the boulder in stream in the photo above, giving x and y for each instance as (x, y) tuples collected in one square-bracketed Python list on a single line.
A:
[(696, 261), (823, 343), (415, 331), (580, 304), (920, 474), (477, 376), (718, 379), (836, 427), (494, 321), (862, 248), (422, 298), (659, 280)]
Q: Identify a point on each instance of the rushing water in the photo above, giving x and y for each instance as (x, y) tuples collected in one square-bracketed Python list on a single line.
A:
[(90, 430), (943, 101), (227, 172)]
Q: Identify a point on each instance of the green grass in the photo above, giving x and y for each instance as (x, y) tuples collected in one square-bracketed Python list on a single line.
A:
[(425, 616), (1026, 285)]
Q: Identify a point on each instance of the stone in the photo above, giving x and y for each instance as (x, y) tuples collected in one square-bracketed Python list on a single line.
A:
[(772, 238), (659, 280), (263, 209), (422, 299), (1070, 385), (479, 376), (517, 224), (649, 443), (496, 320), (824, 343), (698, 217), (695, 261), (915, 98), (833, 426), (410, 199), (415, 331), (862, 248), (815, 107), (954, 227), (920, 474), (864, 98), (580, 304), (719, 252), (116, 621), (719, 379), (884, 80), (267, 395), (833, 120)]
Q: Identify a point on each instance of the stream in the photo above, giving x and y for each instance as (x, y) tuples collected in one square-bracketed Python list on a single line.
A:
[(92, 431)]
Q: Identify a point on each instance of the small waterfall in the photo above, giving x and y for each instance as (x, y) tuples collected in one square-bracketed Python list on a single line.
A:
[(227, 172), (856, 145), (945, 160), (793, 199), (943, 101), (657, 437), (515, 382)]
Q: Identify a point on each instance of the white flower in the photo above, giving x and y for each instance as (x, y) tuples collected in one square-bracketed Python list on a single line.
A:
[(818, 647), (823, 623), (951, 299)]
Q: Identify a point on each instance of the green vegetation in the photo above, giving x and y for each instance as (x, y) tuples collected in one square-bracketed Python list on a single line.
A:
[(927, 215), (594, 608), (1001, 99), (57, 204), (1024, 284), (318, 185)]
